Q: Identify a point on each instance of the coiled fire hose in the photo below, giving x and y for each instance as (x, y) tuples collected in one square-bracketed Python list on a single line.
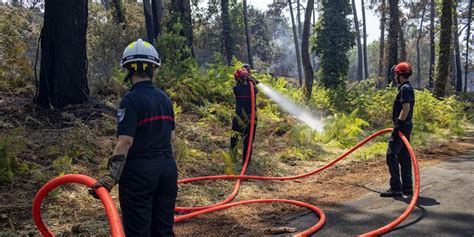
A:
[(116, 228)]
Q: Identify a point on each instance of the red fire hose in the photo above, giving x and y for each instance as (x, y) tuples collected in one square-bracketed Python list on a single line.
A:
[(116, 226)]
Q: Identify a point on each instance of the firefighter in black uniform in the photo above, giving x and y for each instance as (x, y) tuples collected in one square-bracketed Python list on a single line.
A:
[(143, 163), (398, 158), (243, 108)]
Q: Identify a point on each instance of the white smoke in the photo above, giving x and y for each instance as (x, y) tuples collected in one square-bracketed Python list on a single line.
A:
[(298, 112), (284, 63)]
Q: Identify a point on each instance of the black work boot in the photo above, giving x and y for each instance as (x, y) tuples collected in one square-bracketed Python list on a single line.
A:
[(390, 193)]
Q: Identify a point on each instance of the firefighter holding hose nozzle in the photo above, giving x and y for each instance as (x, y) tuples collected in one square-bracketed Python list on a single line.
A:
[(243, 109), (398, 158)]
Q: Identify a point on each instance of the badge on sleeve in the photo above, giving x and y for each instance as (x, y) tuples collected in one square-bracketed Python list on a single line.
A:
[(120, 115)]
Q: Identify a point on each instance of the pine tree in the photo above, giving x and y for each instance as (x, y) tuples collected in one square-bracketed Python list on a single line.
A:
[(63, 73), (333, 41)]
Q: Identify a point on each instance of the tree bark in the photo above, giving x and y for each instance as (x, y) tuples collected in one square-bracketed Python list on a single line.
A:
[(150, 32), (468, 33), (297, 47), (401, 42), (298, 17), (445, 55), (227, 36), (308, 69), (457, 53), (364, 32), (392, 57), (383, 20), (247, 35), (63, 71), (157, 9), (359, 46), (418, 60), (119, 16), (432, 43)]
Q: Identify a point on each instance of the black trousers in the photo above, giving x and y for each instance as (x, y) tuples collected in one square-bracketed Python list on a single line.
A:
[(398, 159), (244, 132), (147, 193)]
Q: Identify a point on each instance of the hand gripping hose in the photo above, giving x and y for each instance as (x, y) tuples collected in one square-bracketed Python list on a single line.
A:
[(116, 227)]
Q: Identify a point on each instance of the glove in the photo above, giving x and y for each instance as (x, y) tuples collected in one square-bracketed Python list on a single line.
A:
[(108, 181), (398, 124)]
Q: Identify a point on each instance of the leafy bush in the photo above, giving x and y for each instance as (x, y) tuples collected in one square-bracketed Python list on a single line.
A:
[(19, 31), (11, 144), (344, 130), (106, 40)]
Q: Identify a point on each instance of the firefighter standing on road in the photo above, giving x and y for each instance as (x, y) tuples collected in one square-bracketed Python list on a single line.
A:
[(398, 158), (142, 162), (243, 109)]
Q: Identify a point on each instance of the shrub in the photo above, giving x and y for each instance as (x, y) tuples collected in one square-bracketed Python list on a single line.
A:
[(11, 144)]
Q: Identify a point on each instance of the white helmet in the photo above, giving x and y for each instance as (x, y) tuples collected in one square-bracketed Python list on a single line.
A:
[(140, 51)]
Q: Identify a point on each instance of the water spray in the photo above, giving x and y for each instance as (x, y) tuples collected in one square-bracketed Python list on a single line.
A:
[(309, 118)]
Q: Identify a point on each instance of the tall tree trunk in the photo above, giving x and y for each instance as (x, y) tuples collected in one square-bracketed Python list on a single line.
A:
[(297, 47), (383, 20), (157, 9), (119, 16), (432, 43), (359, 46), (392, 57), (444, 58), (364, 32), (188, 24), (457, 53), (401, 42), (468, 33), (150, 29), (247, 35), (418, 60), (63, 72), (298, 17), (227, 34), (308, 69)]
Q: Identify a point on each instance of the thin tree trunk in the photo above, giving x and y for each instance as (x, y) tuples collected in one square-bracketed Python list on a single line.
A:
[(227, 34), (150, 29), (468, 33), (418, 60), (297, 47), (364, 32), (119, 16), (392, 38), (188, 24), (445, 55), (63, 72), (308, 69), (432, 43), (157, 8), (247, 35), (401, 41), (298, 16), (359, 46), (457, 53), (382, 38)]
